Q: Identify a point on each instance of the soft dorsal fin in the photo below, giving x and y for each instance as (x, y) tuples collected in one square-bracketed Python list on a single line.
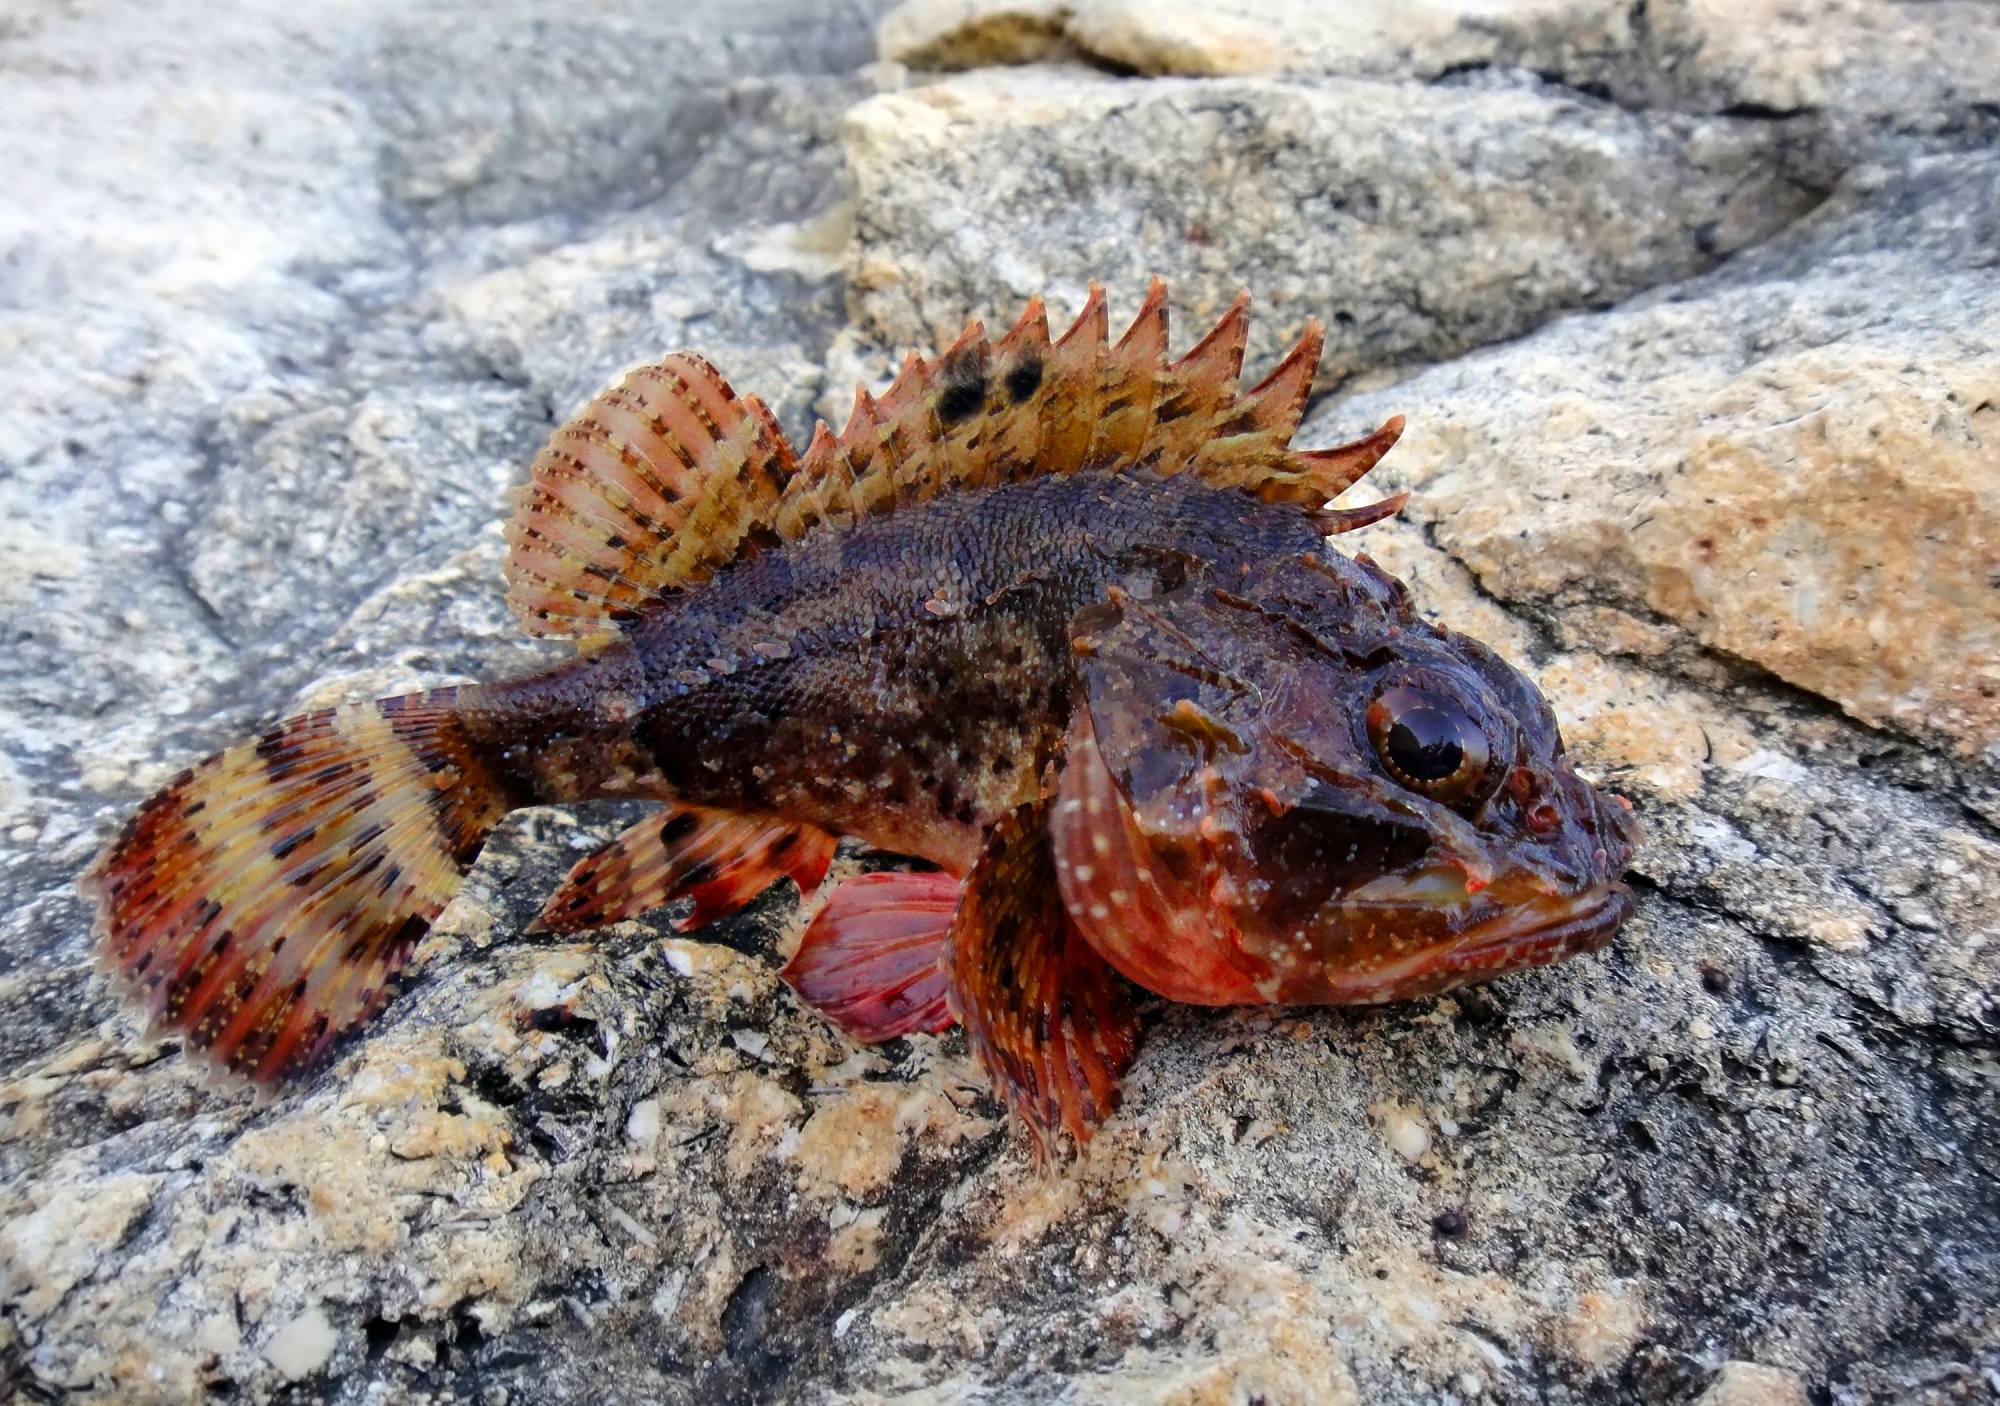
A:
[(652, 488), (668, 477)]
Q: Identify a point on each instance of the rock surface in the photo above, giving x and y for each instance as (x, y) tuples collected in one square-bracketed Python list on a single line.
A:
[(1864, 65), (1416, 221), (289, 294), (1796, 459)]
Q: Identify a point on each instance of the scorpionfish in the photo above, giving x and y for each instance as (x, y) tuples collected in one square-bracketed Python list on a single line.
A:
[(1058, 617)]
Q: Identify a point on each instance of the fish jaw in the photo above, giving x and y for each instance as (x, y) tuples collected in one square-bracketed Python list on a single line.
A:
[(1183, 911), (1500, 937)]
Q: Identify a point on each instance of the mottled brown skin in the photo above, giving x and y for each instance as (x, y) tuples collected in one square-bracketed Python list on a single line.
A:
[(912, 680), (1262, 848), (906, 681)]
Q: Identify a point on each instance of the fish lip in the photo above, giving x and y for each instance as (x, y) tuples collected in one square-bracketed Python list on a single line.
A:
[(1557, 925)]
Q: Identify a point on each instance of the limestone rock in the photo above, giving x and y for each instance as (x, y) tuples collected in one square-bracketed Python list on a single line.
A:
[(1864, 64), (1367, 39), (1752, 1384), (1415, 222), (514, 110), (1798, 465), (973, 33), (1377, 38)]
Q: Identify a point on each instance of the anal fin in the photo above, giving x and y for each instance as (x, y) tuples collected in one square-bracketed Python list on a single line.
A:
[(1047, 1017), (870, 962), (719, 858)]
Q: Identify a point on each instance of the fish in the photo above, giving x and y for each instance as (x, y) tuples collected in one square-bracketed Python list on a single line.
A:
[(1056, 618)]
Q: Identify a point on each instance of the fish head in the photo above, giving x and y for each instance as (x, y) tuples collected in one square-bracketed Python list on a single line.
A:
[(1280, 794)]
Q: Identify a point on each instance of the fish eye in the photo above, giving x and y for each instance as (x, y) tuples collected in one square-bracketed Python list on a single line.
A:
[(1428, 742)]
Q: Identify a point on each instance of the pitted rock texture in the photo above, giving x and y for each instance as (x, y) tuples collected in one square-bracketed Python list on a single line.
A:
[(1415, 221), (1865, 65), (289, 295), (1796, 460)]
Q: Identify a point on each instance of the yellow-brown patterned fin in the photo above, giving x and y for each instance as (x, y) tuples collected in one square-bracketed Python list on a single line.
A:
[(664, 480), (655, 486), (262, 902), (988, 413), (720, 859), (1128, 386), (1043, 1012), (1198, 392)]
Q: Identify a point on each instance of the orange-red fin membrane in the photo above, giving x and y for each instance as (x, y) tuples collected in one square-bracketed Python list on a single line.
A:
[(870, 962), (1046, 1016), (720, 859), (1151, 924), (669, 476), (262, 903), (1128, 385)]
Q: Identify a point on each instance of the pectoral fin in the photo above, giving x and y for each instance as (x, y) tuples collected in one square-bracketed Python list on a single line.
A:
[(1044, 1013), (719, 858), (870, 962)]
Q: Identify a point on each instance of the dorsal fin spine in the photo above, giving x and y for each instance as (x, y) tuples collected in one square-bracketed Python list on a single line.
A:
[(663, 479), (1128, 385), (1070, 412), (1016, 393)]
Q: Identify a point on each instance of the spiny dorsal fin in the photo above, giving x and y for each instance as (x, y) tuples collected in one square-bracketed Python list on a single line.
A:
[(665, 479)]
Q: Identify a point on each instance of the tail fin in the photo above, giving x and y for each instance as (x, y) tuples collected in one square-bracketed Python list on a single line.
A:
[(262, 902)]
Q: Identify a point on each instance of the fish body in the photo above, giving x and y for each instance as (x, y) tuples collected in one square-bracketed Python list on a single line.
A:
[(1058, 618)]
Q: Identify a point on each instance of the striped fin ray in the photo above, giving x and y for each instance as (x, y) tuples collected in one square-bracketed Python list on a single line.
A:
[(666, 478), (720, 859), (870, 961), (1045, 1015), (1128, 386), (262, 903), (653, 487)]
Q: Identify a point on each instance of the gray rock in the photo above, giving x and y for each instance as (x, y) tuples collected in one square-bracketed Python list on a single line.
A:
[(289, 294), (1797, 460), (1414, 221), (1867, 69), (508, 111)]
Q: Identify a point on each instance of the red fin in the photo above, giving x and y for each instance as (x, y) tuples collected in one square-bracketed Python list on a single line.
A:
[(1019, 394), (1128, 385), (1198, 392), (1047, 1017), (1069, 402), (1333, 521), (870, 960), (263, 901), (719, 858), (1341, 467), (1156, 926)]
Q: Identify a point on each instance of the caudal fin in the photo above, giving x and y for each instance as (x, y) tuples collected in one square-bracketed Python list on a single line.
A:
[(262, 902)]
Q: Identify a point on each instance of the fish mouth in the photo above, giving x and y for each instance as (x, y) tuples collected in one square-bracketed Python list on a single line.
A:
[(1547, 929), (1534, 932)]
